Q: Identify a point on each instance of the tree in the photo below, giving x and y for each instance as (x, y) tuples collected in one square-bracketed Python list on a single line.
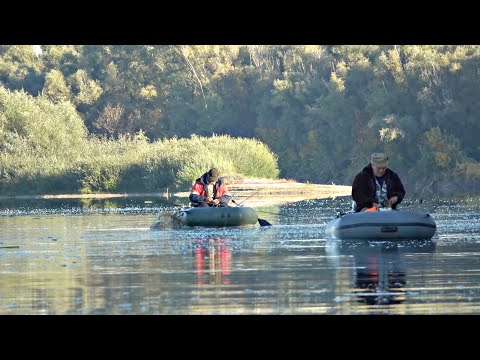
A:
[(56, 88)]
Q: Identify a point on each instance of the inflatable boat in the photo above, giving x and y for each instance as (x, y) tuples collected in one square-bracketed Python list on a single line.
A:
[(388, 225), (217, 216)]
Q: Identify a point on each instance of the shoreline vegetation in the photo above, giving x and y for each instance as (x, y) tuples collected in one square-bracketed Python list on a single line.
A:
[(252, 192), (53, 152), (140, 118)]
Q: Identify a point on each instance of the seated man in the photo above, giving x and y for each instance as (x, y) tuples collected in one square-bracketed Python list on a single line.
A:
[(209, 190), (377, 186)]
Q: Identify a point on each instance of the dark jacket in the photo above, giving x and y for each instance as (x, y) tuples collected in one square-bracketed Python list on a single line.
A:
[(364, 189), (198, 194)]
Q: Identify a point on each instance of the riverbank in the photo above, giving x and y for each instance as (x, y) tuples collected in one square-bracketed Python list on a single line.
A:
[(257, 192), (254, 192)]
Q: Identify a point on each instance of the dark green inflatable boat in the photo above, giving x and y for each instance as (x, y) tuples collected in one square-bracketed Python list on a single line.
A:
[(217, 216)]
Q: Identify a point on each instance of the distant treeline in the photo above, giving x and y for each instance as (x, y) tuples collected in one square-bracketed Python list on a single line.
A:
[(321, 109)]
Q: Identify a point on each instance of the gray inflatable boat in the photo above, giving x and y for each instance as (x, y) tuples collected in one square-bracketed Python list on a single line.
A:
[(388, 225)]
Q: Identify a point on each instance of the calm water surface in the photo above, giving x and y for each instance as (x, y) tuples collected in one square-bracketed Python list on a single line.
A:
[(73, 257)]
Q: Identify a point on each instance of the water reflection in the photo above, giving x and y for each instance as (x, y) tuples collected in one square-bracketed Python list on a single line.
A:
[(146, 205), (379, 272), (380, 277), (213, 260)]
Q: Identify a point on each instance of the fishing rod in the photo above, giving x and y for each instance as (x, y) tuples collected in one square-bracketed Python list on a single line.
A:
[(419, 191), (262, 222), (256, 192), (262, 211)]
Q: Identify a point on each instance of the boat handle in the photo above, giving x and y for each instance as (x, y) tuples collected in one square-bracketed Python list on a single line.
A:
[(389, 228)]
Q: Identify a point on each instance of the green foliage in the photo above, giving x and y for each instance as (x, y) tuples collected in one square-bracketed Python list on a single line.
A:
[(439, 152), (86, 90), (56, 88), (321, 110), (46, 127), (189, 158), (21, 68), (45, 149)]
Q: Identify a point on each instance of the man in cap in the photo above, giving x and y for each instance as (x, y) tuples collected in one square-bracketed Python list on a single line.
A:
[(377, 186), (209, 190)]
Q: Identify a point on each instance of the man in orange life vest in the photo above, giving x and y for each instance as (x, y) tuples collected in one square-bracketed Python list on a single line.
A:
[(209, 190), (377, 186)]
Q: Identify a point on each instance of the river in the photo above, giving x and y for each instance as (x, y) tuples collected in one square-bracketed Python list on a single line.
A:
[(102, 257)]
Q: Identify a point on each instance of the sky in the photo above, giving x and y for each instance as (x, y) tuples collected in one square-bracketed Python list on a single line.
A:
[(37, 49)]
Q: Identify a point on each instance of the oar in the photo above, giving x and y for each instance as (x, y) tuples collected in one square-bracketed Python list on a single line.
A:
[(262, 222)]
